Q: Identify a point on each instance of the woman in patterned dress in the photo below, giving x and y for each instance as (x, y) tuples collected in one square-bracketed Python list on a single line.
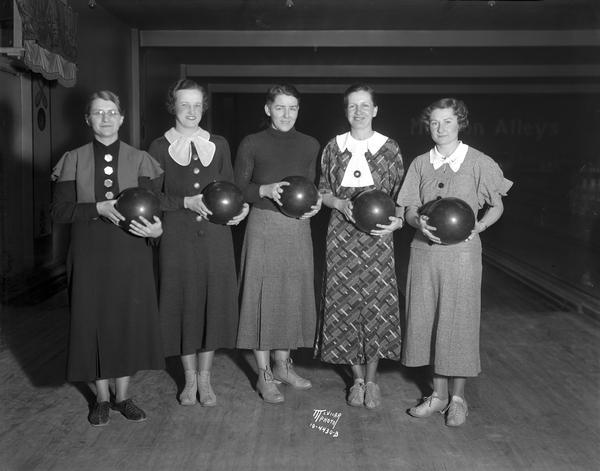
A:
[(361, 318), (198, 283), (114, 327), (443, 294)]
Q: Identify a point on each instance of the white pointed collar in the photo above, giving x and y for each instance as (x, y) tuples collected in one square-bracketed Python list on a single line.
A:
[(180, 149), (454, 160), (374, 143)]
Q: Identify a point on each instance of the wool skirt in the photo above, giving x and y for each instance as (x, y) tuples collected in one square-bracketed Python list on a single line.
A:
[(277, 298)]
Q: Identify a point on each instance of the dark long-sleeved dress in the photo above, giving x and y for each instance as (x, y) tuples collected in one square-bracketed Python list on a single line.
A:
[(198, 282), (114, 327)]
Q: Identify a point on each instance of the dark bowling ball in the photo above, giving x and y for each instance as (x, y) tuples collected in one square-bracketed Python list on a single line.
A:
[(224, 199), (372, 207), (135, 202), (298, 197), (452, 217)]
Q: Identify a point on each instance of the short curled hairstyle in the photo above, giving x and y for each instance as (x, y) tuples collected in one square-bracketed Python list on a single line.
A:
[(281, 89), (458, 107), (359, 87), (185, 84), (103, 95)]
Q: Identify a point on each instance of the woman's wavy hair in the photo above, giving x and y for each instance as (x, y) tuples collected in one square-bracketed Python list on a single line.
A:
[(458, 107), (185, 84), (103, 95), (281, 89)]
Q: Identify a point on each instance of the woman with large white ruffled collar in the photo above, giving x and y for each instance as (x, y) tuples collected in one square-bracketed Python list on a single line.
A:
[(198, 283), (360, 322)]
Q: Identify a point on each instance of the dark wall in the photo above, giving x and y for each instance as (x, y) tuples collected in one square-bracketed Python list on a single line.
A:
[(104, 63), (545, 143), (33, 250)]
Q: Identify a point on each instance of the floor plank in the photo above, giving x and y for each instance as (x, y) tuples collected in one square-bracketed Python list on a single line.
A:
[(534, 406)]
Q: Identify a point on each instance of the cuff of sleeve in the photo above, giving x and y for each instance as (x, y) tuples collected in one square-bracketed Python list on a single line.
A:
[(253, 193), (89, 210)]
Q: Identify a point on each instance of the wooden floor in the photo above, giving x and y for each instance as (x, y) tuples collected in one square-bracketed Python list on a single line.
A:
[(535, 407)]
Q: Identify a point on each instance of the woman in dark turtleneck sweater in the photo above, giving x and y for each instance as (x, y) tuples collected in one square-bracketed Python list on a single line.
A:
[(277, 309)]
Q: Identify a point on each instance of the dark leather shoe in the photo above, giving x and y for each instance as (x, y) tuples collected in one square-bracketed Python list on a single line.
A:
[(129, 410), (99, 414)]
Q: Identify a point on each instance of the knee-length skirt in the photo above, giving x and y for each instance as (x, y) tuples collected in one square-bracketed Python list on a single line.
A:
[(277, 299)]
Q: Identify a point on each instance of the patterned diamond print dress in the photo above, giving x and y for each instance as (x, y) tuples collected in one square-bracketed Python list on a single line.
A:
[(360, 319)]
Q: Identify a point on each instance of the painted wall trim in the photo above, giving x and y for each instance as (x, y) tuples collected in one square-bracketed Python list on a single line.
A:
[(370, 38), (134, 105)]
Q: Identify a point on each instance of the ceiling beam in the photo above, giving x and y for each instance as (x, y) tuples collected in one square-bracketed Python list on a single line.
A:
[(370, 38), (393, 71), (416, 88)]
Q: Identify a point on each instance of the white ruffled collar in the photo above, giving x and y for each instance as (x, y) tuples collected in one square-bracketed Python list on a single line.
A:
[(454, 160), (180, 148), (374, 143)]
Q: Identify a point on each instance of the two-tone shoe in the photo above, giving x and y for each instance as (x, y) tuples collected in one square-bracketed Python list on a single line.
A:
[(429, 406)]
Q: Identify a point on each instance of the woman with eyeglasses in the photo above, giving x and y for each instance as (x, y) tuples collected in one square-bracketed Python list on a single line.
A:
[(443, 293), (198, 282), (361, 315), (114, 328), (278, 311)]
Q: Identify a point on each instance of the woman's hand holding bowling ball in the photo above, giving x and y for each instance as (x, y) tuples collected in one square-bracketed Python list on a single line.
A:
[(195, 203), (272, 191), (240, 217), (396, 223), (479, 227), (426, 229), (147, 229), (107, 210), (313, 209), (345, 207)]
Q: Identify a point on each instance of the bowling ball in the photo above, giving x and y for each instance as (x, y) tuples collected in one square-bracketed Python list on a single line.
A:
[(224, 199), (372, 207), (298, 197), (135, 202), (452, 217)]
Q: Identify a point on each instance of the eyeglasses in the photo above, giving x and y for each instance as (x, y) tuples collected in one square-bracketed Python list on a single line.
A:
[(103, 113)]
